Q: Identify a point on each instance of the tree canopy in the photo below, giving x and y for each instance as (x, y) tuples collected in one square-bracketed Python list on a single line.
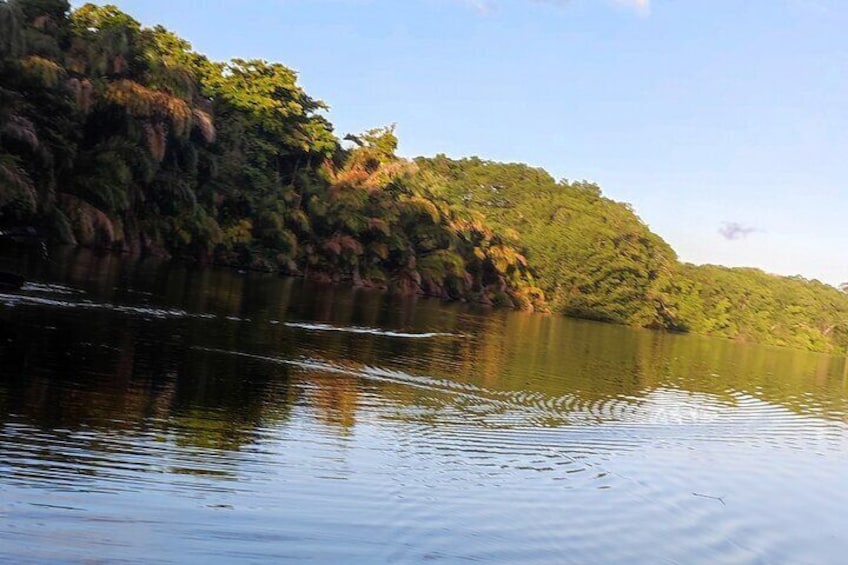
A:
[(121, 136)]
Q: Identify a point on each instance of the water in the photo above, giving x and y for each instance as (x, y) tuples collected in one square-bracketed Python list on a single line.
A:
[(154, 413)]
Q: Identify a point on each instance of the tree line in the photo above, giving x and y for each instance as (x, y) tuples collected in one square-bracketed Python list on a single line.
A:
[(594, 258), (120, 136)]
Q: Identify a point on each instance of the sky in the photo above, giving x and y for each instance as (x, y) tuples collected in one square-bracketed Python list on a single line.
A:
[(723, 122)]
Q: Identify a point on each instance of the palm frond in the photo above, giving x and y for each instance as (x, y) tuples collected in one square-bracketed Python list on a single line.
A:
[(16, 188), (21, 129), (142, 102), (83, 92), (203, 122), (46, 71)]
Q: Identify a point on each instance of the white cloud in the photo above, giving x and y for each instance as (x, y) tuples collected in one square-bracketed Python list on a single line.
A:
[(641, 6), (481, 6), (489, 6)]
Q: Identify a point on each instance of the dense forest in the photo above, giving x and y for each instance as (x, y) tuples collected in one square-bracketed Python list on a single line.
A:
[(119, 136), (593, 258)]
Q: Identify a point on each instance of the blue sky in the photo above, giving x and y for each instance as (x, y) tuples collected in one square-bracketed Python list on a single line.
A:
[(723, 123)]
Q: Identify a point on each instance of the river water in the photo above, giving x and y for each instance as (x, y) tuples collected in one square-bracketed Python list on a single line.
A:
[(158, 413)]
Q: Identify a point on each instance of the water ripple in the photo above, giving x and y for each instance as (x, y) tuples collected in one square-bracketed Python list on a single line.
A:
[(660, 415), (317, 327), (14, 300)]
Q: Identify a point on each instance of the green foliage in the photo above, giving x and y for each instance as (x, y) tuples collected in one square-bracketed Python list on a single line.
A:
[(120, 136), (749, 305), (592, 256), (12, 43), (267, 94), (595, 259)]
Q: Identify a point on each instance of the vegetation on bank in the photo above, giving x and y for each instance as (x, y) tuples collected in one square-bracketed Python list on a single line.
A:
[(118, 136), (595, 259)]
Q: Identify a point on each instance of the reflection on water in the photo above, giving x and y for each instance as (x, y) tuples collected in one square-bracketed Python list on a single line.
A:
[(162, 413)]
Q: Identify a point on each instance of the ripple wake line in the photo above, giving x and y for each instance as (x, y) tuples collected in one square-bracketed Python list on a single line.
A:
[(368, 331), (13, 300)]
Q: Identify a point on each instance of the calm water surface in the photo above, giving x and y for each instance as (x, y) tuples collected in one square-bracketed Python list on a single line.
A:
[(157, 413)]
